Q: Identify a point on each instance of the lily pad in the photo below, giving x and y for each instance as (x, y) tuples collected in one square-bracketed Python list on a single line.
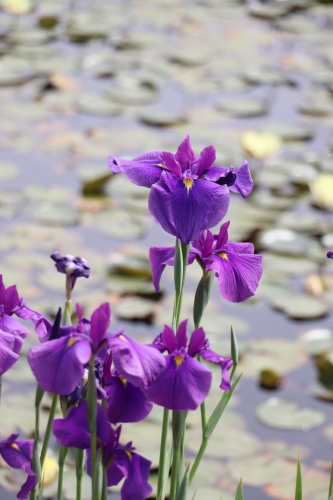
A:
[(265, 75), (291, 266), (131, 262), (93, 178), (242, 106), (262, 470), (95, 105), (290, 132), (130, 96), (317, 340), (56, 215), (120, 225), (286, 414), (160, 117), (136, 309), (301, 307)]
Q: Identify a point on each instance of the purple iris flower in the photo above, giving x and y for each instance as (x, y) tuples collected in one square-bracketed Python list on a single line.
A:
[(138, 364), (124, 401), (330, 254), (18, 454), (73, 267), (185, 382), (237, 268), (188, 194), (119, 461)]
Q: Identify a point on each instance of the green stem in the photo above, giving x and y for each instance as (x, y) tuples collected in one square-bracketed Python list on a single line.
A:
[(48, 430), (198, 458), (67, 315), (79, 459), (62, 457), (104, 486), (91, 408), (178, 429), (163, 449)]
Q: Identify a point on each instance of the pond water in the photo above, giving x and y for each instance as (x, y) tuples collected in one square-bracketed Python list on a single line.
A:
[(255, 79)]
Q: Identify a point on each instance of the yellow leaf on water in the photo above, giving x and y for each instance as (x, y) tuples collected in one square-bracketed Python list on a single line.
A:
[(260, 145), (17, 6), (322, 190), (50, 470)]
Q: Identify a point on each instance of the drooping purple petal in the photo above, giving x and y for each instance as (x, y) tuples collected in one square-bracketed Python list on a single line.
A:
[(238, 274), (225, 364), (143, 170), (244, 182), (137, 363), (77, 267), (186, 213), (12, 299), (159, 258), (26, 313), (185, 155), (181, 388), (100, 321), (136, 470), (11, 325), (58, 365), (222, 237), (197, 342), (206, 160), (125, 402), (74, 431), (10, 347)]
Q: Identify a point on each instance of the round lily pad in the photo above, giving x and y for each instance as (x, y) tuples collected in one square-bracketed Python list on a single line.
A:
[(291, 266), (287, 414), (121, 225), (56, 215), (98, 64), (136, 309), (91, 104), (14, 71), (261, 470), (289, 131), (130, 262), (160, 117), (317, 340), (130, 96), (265, 75), (301, 306), (242, 106), (269, 11), (93, 178)]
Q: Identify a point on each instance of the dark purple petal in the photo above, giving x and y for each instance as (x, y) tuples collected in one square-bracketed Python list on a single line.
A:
[(181, 335), (11, 325), (168, 339), (222, 237), (10, 347), (197, 342), (18, 455), (135, 362), (159, 258), (182, 387), (244, 182), (239, 247), (58, 365), (125, 402), (73, 431), (100, 321), (171, 163), (12, 299), (136, 470), (76, 267), (238, 274), (203, 246), (225, 364), (143, 170), (206, 160), (186, 213), (329, 254), (2, 290), (185, 155)]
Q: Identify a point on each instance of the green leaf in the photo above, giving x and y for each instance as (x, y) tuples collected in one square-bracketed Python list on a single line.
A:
[(178, 267), (234, 348), (239, 492), (219, 409), (298, 492), (330, 489), (182, 494), (202, 296)]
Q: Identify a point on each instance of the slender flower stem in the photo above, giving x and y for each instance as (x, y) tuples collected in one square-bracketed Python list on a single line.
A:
[(163, 452), (48, 430), (91, 407), (62, 457), (79, 459), (67, 315), (104, 485), (35, 457)]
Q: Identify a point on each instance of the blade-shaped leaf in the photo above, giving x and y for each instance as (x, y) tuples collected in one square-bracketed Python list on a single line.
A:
[(239, 491), (182, 494), (330, 489), (298, 491)]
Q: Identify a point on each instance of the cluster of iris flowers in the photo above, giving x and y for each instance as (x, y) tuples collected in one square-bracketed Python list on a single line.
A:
[(104, 378)]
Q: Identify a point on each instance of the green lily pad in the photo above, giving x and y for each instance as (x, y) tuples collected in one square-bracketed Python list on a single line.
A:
[(290, 132), (98, 64), (313, 482), (160, 117), (301, 306), (288, 242), (188, 55), (265, 75), (242, 106), (131, 262), (317, 340), (262, 470), (269, 11), (95, 105), (56, 215), (93, 178), (130, 96), (136, 309), (286, 414), (291, 266), (120, 225), (316, 103), (29, 36), (270, 179), (14, 71)]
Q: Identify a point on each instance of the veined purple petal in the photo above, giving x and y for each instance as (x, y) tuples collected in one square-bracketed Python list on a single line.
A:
[(125, 402), (239, 247), (185, 155), (10, 347), (171, 163), (136, 470), (168, 338), (206, 160), (225, 364), (181, 335), (18, 455), (182, 387), (28, 314), (185, 213), (11, 325), (100, 321), (137, 363), (58, 365), (244, 182), (74, 431), (159, 258), (143, 170), (197, 342), (12, 299), (222, 237), (203, 246), (238, 274)]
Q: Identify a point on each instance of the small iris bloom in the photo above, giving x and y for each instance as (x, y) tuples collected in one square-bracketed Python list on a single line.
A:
[(188, 194), (18, 454), (185, 382), (235, 265), (73, 267)]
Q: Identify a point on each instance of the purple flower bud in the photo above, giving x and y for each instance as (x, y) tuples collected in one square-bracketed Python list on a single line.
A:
[(73, 267), (330, 254)]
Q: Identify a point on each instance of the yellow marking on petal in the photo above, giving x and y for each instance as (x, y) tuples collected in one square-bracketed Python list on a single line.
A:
[(188, 183), (121, 337), (13, 445), (71, 342), (178, 360), (124, 381), (161, 165), (129, 454), (223, 255)]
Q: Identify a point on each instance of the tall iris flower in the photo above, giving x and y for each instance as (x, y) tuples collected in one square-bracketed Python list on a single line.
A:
[(237, 268), (18, 454), (185, 382), (188, 194), (119, 461), (125, 402), (12, 333)]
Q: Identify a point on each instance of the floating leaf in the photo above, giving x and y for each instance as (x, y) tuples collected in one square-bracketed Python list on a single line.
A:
[(317, 340), (286, 414), (121, 225), (260, 145), (136, 309), (322, 191), (243, 106)]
